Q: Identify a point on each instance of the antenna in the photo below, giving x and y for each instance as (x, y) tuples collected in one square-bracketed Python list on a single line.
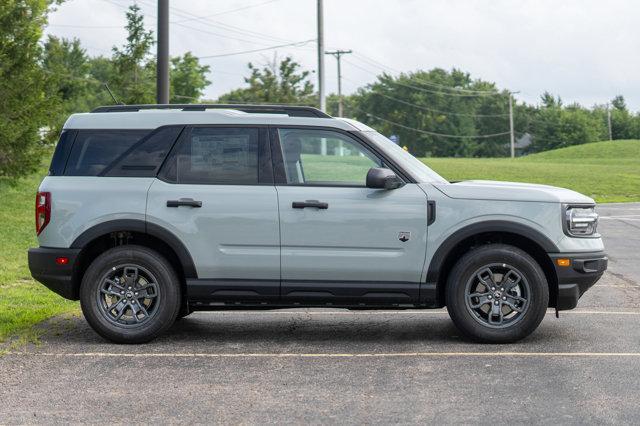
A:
[(115, 101)]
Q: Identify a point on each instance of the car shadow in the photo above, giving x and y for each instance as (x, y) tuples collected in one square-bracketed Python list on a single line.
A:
[(255, 331)]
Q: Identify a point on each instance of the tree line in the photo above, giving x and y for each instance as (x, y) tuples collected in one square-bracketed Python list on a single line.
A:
[(433, 113)]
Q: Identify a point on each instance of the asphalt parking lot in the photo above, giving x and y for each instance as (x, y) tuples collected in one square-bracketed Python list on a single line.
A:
[(317, 366)]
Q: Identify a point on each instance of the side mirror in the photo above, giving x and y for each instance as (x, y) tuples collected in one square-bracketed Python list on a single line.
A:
[(383, 179)]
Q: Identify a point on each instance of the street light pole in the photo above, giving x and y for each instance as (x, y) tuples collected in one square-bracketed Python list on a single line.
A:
[(338, 54), (323, 105), (162, 66)]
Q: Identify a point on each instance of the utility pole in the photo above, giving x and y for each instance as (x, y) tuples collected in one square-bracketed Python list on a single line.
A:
[(609, 122), (162, 66), (338, 54), (511, 130), (323, 105)]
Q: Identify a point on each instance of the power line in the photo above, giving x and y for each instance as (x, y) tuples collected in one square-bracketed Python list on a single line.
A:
[(221, 55), (230, 11), (202, 30), (426, 82), (422, 89), (225, 27), (427, 132), (461, 114)]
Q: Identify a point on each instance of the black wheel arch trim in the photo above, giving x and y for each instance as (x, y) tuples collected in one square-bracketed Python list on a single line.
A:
[(430, 294), (135, 225)]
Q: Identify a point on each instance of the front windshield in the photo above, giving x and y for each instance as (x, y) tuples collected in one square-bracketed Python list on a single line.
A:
[(415, 167)]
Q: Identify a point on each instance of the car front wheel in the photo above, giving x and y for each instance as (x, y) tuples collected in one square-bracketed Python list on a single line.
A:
[(130, 294), (497, 293)]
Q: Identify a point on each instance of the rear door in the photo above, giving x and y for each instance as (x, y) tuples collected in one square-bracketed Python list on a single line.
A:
[(341, 241), (215, 192)]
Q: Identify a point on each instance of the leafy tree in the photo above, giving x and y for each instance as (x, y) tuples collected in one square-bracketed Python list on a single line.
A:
[(622, 122), (69, 83), (188, 78), (277, 83), (24, 106), (557, 127), (432, 101), (134, 72)]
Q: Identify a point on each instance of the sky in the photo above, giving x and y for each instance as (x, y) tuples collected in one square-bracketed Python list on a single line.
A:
[(585, 51)]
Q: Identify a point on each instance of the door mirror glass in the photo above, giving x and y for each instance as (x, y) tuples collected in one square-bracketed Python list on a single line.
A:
[(383, 179)]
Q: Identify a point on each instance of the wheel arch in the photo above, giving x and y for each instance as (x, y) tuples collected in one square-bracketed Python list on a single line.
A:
[(93, 241), (533, 242)]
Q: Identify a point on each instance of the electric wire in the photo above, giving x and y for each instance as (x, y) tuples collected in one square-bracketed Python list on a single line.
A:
[(430, 133)]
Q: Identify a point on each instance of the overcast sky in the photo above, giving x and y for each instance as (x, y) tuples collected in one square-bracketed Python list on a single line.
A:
[(586, 51)]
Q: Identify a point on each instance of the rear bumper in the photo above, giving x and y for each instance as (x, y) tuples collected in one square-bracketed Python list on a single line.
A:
[(585, 270), (58, 278)]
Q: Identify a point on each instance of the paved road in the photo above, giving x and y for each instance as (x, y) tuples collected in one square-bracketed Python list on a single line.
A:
[(318, 366)]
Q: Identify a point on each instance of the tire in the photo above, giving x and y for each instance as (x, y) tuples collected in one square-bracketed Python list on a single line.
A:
[(140, 287), (472, 304)]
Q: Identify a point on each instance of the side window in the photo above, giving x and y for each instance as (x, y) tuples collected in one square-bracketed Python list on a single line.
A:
[(322, 157), (145, 157), (215, 155), (94, 150)]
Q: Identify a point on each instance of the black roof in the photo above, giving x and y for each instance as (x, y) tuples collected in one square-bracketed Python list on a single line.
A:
[(290, 110)]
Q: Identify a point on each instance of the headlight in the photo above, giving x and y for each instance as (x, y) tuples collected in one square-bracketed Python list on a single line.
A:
[(580, 221)]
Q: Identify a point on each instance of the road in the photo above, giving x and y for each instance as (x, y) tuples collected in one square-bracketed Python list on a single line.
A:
[(317, 366)]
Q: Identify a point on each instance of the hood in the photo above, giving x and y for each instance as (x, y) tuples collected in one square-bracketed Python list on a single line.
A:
[(511, 191)]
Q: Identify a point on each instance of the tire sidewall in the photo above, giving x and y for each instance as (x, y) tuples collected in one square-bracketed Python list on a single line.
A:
[(497, 253), (168, 286)]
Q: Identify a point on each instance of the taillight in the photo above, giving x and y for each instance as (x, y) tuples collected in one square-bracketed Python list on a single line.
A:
[(43, 210)]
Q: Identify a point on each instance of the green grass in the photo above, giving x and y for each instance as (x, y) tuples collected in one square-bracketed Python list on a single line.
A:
[(606, 171), (23, 302)]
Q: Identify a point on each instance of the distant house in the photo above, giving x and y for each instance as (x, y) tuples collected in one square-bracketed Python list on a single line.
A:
[(522, 143)]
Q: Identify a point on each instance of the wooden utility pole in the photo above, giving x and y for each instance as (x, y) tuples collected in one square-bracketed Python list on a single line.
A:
[(338, 54), (609, 122), (511, 131)]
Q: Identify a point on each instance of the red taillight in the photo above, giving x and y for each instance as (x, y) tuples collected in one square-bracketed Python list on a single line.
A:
[(43, 210), (62, 260)]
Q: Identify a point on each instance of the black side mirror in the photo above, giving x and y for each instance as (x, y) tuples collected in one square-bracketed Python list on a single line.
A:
[(383, 179)]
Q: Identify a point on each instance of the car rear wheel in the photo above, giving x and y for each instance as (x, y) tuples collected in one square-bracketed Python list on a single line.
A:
[(130, 294), (497, 293)]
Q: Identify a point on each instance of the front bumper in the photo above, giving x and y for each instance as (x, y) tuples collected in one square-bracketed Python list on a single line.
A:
[(573, 280), (56, 277)]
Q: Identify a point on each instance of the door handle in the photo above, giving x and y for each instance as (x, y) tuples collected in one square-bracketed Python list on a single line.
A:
[(309, 203), (189, 202)]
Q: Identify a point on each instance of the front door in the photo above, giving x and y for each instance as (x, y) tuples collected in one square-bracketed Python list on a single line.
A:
[(342, 242), (215, 192)]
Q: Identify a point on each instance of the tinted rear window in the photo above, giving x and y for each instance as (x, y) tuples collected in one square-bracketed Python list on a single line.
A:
[(210, 155), (94, 150), (145, 157)]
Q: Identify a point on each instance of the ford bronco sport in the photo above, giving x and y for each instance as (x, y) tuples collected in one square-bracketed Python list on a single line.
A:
[(151, 212)]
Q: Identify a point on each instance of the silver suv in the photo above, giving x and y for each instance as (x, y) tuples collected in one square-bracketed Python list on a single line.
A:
[(151, 212)]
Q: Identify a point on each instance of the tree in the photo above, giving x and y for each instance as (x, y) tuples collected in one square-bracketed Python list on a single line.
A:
[(432, 102), (24, 106), (188, 78), (134, 70), (277, 83), (69, 83), (622, 122), (558, 127)]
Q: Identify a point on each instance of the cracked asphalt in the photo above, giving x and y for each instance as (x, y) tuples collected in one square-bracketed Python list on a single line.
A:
[(319, 366)]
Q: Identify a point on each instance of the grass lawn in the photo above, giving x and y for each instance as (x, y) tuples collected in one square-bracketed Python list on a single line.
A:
[(606, 171), (23, 301)]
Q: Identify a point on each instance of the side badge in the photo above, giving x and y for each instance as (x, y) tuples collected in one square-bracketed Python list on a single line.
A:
[(404, 236)]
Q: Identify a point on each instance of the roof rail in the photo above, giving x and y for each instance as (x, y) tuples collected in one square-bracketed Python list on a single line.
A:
[(290, 110)]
